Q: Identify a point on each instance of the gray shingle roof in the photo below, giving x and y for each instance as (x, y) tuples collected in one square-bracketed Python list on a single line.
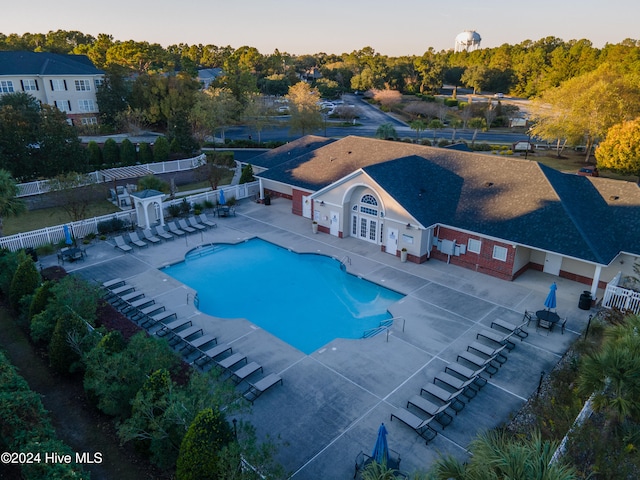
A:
[(516, 200), (45, 63)]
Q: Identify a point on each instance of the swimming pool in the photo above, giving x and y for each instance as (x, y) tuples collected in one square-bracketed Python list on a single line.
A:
[(306, 300)]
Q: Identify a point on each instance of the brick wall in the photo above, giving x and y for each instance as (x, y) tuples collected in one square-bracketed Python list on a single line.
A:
[(482, 262)]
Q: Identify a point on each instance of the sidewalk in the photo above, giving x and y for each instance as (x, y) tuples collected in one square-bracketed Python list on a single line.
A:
[(332, 402)]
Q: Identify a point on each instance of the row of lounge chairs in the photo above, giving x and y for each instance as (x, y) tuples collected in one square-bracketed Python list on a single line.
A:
[(198, 348), (461, 381), (172, 230)]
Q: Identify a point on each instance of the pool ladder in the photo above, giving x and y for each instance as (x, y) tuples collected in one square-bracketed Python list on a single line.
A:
[(384, 326), (343, 263)]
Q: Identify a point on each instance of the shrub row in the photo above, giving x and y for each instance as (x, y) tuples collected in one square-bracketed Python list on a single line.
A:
[(25, 428)]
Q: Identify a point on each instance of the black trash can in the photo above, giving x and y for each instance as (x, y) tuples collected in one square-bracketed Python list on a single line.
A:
[(585, 300), (267, 200)]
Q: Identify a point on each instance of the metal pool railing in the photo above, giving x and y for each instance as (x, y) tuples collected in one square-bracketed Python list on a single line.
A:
[(384, 325)]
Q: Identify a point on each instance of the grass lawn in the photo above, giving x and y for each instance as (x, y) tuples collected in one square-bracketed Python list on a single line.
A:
[(49, 217)]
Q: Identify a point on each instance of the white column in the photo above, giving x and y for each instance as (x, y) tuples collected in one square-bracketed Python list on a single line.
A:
[(261, 189), (596, 281)]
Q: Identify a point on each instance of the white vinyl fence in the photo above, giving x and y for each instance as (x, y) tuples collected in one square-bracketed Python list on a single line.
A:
[(55, 235), (101, 176), (621, 298)]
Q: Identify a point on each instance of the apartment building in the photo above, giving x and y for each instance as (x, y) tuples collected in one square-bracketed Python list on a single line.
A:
[(68, 82)]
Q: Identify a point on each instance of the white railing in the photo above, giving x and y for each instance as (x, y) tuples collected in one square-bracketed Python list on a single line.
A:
[(54, 235), (620, 298), (43, 186)]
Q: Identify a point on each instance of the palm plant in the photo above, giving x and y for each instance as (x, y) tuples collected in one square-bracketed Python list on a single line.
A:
[(377, 471), (495, 455), (386, 131), (613, 373), (419, 126)]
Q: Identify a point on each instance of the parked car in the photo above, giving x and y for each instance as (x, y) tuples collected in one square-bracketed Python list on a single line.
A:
[(591, 171), (498, 95)]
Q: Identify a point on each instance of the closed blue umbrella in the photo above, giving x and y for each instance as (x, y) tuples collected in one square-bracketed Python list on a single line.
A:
[(67, 235), (380, 452), (550, 302), (222, 201)]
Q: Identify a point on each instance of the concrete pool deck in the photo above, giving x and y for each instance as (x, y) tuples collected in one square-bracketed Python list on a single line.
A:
[(332, 402)]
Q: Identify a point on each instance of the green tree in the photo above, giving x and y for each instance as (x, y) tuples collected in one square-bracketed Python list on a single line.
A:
[(113, 99), (477, 124), (161, 149), (145, 155), (207, 435), (60, 150), (114, 378), (276, 84), (435, 125), (256, 114), (94, 154), (583, 109), (620, 151), (69, 333), (180, 133), (213, 111), (70, 295), (127, 152), (163, 411), (430, 68), (475, 77), (10, 205), (25, 281), (151, 182), (247, 174), (111, 152), (19, 135), (304, 108), (418, 126), (386, 131), (40, 299)]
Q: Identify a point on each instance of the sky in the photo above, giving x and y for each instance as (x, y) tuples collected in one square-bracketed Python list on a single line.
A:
[(393, 28)]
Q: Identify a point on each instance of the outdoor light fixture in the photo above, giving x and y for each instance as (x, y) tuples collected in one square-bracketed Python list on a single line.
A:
[(408, 226), (322, 203)]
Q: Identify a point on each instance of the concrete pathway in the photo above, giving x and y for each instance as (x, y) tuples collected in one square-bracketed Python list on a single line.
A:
[(332, 402)]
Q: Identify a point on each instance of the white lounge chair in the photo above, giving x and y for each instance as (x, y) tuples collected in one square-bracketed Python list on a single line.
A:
[(173, 228), (205, 221), (195, 224), (183, 225), (162, 233), (133, 236), (149, 236), (121, 244)]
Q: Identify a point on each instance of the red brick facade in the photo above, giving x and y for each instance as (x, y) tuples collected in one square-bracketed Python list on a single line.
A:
[(482, 262)]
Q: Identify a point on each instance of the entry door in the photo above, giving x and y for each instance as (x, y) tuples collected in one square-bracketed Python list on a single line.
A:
[(391, 241), (334, 226), (552, 264), (306, 207)]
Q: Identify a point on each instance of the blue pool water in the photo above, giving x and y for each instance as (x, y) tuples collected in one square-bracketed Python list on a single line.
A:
[(307, 300)]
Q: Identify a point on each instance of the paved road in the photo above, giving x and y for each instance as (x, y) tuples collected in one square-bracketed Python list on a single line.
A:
[(370, 119)]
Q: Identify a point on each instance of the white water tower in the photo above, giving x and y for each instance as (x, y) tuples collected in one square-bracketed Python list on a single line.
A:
[(467, 41)]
